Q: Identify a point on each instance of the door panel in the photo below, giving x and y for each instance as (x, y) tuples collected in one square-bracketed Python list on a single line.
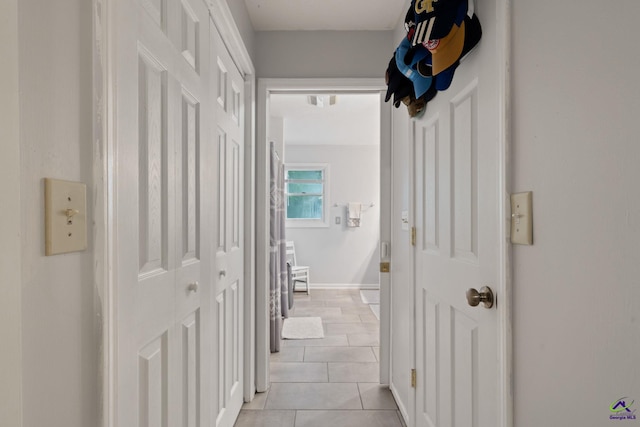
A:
[(228, 357), (191, 370), (149, 293), (431, 341), (456, 183), (190, 183), (228, 273), (157, 10), (190, 26), (236, 214), (193, 281), (152, 184), (153, 382), (464, 163), (221, 192), (464, 348), (166, 158), (431, 218), (447, 263)]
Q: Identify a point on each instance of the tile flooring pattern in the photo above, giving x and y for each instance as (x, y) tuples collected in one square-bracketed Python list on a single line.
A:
[(331, 381)]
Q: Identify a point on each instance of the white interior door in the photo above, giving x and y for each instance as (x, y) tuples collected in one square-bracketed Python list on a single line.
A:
[(165, 215), (457, 215), (228, 245)]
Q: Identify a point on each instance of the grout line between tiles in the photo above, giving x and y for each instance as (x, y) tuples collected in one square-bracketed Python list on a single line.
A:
[(360, 325)]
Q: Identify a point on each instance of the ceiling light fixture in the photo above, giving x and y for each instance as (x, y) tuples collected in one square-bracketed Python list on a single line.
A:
[(322, 100)]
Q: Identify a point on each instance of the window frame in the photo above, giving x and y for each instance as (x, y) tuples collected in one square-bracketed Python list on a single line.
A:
[(307, 222)]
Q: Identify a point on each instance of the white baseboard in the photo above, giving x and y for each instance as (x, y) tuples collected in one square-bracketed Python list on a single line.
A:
[(344, 286)]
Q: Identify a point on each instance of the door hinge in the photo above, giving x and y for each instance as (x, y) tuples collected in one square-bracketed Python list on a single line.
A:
[(385, 267), (413, 236), (413, 378)]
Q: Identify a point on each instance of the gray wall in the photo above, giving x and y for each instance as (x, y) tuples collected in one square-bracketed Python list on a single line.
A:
[(276, 134), (327, 54), (576, 100), (10, 256), (241, 17), (60, 341), (341, 254)]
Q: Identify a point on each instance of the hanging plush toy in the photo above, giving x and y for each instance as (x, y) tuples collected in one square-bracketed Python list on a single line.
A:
[(440, 33)]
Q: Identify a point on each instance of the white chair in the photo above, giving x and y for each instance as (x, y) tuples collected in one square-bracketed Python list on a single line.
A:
[(299, 273)]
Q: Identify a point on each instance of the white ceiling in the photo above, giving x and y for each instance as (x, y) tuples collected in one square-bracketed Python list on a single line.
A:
[(353, 120), (340, 15)]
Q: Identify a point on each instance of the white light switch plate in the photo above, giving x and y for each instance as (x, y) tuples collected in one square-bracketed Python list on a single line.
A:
[(522, 218), (65, 216)]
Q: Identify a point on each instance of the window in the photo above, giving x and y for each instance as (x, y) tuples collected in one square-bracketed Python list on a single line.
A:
[(306, 194)]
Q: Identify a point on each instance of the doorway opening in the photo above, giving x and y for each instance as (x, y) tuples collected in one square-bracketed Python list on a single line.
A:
[(331, 157), (325, 197), (332, 137)]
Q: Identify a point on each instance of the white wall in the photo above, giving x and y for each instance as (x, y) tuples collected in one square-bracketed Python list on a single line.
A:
[(276, 134), (327, 54), (354, 119), (576, 100), (10, 244), (60, 339), (401, 287), (339, 254)]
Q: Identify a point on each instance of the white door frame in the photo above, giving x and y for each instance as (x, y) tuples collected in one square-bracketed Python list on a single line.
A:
[(505, 287), (104, 124), (265, 88), (504, 284)]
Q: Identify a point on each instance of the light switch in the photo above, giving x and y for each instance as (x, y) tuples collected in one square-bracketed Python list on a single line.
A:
[(338, 220), (65, 216), (522, 218), (404, 216)]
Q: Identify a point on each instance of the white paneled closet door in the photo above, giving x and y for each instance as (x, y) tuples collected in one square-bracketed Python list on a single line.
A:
[(165, 213), (227, 90)]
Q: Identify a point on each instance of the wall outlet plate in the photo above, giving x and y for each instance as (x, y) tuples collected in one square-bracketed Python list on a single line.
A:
[(65, 206), (522, 218)]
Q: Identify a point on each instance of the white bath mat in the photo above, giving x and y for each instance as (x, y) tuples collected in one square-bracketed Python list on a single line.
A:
[(376, 310), (370, 296), (300, 328)]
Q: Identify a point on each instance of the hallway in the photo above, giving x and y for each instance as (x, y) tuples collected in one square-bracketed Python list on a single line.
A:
[(331, 381)]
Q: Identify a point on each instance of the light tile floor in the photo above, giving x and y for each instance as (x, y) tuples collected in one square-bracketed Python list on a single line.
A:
[(332, 381)]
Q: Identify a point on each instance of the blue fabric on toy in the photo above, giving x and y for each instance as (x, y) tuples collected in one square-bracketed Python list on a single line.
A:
[(421, 84)]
